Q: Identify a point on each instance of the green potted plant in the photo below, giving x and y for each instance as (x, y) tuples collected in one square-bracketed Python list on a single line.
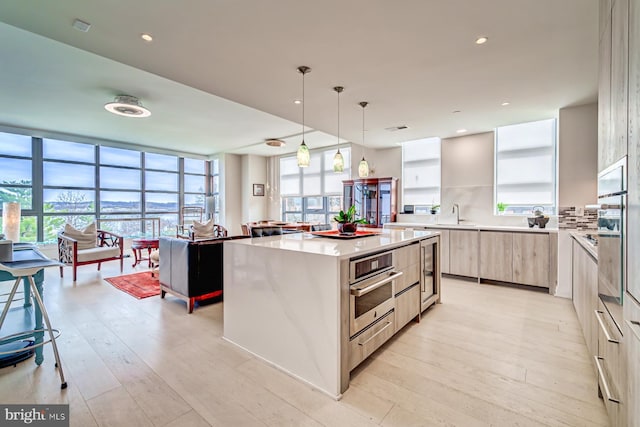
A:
[(434, 209), (501, 207), (347, 222)]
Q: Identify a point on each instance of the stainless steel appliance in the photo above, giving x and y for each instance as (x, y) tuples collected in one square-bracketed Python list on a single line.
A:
[(371, 290), (612, 195)]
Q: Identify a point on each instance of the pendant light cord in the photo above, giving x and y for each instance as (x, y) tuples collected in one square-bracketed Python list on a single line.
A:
[(303, 73)]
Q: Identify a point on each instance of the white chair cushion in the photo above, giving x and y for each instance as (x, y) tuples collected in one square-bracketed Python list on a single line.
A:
[(201, 230), (97, 253), (86, 238)]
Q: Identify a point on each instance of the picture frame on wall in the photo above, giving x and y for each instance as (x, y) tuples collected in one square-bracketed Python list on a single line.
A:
[(258, 189)]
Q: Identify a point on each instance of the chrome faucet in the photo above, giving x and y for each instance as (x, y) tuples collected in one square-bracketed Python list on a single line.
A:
[(456, 210)]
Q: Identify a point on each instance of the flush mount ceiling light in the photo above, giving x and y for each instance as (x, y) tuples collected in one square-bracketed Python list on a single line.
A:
[(146, 37), (363, 167), (338, 160), (482, 40), (273, 142), (504, 104), (461, 130), (303, 155), (128, 106)]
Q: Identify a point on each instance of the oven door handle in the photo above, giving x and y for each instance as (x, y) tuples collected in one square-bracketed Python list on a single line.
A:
[(358, 292)]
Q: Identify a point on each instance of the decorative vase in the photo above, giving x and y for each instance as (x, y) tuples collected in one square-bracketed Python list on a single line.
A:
[(347, 227)]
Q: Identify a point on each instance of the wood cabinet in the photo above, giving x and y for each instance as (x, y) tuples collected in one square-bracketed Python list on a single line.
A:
[(375, 199), (531, 259), (613, 82), (585, 294), (631, 307), (463, 252), (407, 305), (496, 255), (611, 367)]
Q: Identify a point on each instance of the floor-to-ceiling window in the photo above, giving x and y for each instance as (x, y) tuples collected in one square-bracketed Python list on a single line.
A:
[(59, 182)]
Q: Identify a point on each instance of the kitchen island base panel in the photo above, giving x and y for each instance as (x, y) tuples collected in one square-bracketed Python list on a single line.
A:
[(284, 306)]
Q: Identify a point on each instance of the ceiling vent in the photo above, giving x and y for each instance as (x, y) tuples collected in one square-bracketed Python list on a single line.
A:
[(81, 25), (397, 128), (128, 106)]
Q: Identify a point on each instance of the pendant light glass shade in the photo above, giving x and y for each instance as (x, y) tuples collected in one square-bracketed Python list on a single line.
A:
[(363, 167), (338, 160), (303, 155)]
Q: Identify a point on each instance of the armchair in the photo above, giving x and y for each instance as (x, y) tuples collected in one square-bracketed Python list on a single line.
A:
[(108, 247), (188, 214)]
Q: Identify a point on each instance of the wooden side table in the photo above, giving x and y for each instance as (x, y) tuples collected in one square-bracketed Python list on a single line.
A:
[(137, 245)]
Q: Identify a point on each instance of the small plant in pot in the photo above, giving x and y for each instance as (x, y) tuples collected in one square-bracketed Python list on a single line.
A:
[(434, 209), (347, 222)]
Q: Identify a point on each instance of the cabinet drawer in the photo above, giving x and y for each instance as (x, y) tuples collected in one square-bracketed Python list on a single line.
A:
[(406, 256), (366, 343), (609, 365), (410, 276), (407, 306)]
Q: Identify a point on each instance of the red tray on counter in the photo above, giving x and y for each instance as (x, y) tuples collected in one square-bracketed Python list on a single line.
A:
[(335, 234)]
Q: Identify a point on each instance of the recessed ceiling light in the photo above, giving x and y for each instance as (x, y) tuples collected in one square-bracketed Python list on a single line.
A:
[(128, 106), (297, 101), (461, 130), (482, 40), (146, 37), (504, 104)]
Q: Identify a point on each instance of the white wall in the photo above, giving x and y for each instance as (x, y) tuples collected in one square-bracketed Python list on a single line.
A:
[(254, 171), (578, 155), (577, 176), (230, 193)]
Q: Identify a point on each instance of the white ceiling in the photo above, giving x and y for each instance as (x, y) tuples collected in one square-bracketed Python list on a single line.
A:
[(220, 75)]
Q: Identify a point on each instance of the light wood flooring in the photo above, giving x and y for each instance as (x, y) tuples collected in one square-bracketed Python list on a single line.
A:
[(488, 355)]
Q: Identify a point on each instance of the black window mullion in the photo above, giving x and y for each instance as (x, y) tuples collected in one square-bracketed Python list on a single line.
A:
[(37, 190)]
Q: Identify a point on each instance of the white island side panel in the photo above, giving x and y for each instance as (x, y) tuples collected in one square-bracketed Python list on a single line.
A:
[(284, 306)]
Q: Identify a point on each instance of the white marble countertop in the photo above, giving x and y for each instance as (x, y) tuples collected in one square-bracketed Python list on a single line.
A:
[(307, 243), (463, 226), (579, 237)]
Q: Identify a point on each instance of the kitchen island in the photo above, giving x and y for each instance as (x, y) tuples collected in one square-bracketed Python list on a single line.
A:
[(287, 299)]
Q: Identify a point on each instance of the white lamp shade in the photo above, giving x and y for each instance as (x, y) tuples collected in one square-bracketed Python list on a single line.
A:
[(11, 221), (363, 168), (303, 155), (338, 162)]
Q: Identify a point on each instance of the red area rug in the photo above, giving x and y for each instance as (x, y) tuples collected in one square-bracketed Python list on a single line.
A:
[(139, 285)]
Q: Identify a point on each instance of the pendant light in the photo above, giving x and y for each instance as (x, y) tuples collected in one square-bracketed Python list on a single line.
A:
[(302, 155), (338, 160), (363, 167)]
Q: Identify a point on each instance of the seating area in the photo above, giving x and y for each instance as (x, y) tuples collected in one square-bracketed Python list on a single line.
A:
[(192, 270), (88, 246)]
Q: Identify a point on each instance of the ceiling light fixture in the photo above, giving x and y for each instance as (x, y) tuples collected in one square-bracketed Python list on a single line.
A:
[(461, 130), (363, 167), (303, 155), (146, 37), (338, 160), (273, 142), (297, 102), (504, 104), (128, 106), (482, 40)]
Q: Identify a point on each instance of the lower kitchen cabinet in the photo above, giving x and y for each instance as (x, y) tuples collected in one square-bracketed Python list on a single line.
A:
[(463, 252), (585, 294), (407, 306), (496, 255), (531, 259), (631, 330), (444, 249), (610, 366)]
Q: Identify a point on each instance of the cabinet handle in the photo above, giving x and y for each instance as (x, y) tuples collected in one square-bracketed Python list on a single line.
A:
[(358, 292), (604, 381), (604, 328), (376, 334)]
